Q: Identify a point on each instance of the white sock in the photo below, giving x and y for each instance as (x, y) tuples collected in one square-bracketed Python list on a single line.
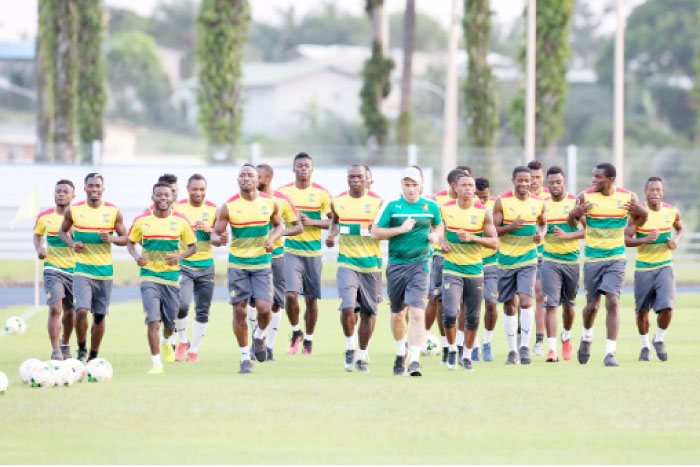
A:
[(444, 341), (414, 352), (510, 323), (659, 337), (427, 333), (487, 336), (460, 337), (401, 347), (565, 335), (252, 317), (181, 329), (526, 319), (296, 327), (171, 339), (552, 343), (258, 333), (452, 347), (245, 353), (645, 340), (163, 340), (272, 328), (467, 355), (610, 346), (362, 354), (476, 341), (155, 360), (198, 332), (350, 342), (308, 337), (587, 335)]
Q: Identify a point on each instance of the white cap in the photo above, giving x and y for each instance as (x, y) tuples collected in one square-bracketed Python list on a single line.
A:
[(412, 173)]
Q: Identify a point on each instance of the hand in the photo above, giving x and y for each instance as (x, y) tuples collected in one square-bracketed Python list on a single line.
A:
[(78, 247), (105, 236), (581, 209), (171, 259), (305, 220), (464, 236), (142, 260), (559, 234), (201, 225), (269, 245), (41, 253), (433, 238), (408, 225), (224, 238), (330, 241), (517, 223), (537, 238), (634, 208), (672, 243), (651, 238), (444, 246)]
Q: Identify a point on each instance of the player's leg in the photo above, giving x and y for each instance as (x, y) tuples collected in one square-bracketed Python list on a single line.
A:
[(592, 277), (54, 328), (552, 283), (507, 296), (461, 323), (451, 300), (348, 288), (83, 298), (643, 291), (68, 316), (613, 281), (396, 286), (203, 294), (151, 307), (312, 292), (490, 293), (435, 296), (261, 288), (416, 298), (471, 299), (525, 280), (187, 280), (277, 265), (538, 349), (101, 295), (663, 305), (364, 332), (293, 278)]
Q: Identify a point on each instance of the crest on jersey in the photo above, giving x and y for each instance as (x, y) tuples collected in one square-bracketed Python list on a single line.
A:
[(619, 203), (566, 209), (425, 206), (205, 216), (172, 225), (264, 209), (311, 196), (667, 218), (367, 208), (105, 217), (474, 219), (534, 210)]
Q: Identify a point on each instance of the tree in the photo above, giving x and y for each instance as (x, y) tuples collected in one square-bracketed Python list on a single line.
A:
[(64, 82), (222, 30), (173, 25), (479, 87), (91, 98), (44, 63), (375, 72), (429, 35), (409, 39), (552, 53)]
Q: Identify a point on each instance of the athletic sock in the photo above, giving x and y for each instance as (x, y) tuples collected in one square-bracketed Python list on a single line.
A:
[(510, 323), (93, 354), (81, 346), (610, 346), (350, 342), (452, 347), (181, 329), (659, 337), (198, 332), (552, 343), (171, 339), (245, 353), (467, 355), (258, 333), (252, 313), (476, 342), (155, 360), (296, 327), (460, 337), (539, 337), (565, 335), (526, 318), (414, 351), (488, 335), (163, 340), (645, 340), (444, 341), (362, 354), (401, 347), (587, 335), (272, 328), (308, 337), (427, 333)]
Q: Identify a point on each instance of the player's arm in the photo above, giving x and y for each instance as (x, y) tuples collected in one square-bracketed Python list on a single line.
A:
[(490, 238), (498, 220), (630, 235), (580, 210), (219, 236), (575, 235), (333, 227), (121, 238), (436, 232), (63, 231), (38, 239), (277, 228), (678, 234), (295, 227), (133, 238), (385, 233), (541, 229), (638, 212)]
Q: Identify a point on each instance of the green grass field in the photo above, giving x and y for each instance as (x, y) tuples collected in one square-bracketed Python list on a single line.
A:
[(307, 409)]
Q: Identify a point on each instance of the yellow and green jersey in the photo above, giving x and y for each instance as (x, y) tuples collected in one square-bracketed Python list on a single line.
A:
[(206, 213), (95, 261), (59, 256), (517, 248), (561, 251), (545, 196), (357, 250), (464, 258), (605, 225), (288, 213), (441, 197), (656, 254), (489, 256), (314, 202), (250, 227), (160, 236)]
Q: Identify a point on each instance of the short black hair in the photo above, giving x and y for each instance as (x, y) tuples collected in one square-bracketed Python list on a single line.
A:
[(482, 183), (196, 177), (608, 169), (454, 175), (302, 155), (94, 175), (519, 169), (652, 179), (167, 178), (534, 165), (161, 185), (266, 167), (466, 168), (555, 169), (65, 181)]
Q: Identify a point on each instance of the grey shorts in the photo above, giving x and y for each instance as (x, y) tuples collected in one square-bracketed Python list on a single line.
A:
[(58, 287), (491, 283), (539, 266), (603, 277), (277, 265), (92, 294), (655, 289), (407, 285), (244, 284), (459, 290), (435, 290), (302, 274), (160, 303), (361, 291), (197, 283), (559, 283), (516, 281)]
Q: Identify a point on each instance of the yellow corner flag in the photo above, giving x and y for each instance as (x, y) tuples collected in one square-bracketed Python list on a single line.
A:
[(28, 210)]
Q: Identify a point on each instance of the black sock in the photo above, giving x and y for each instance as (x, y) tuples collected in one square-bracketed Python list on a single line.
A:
[(93, 354), (81, 346), (539, 337)]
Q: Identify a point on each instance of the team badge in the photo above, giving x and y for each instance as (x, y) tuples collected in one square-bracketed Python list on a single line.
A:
[(447, 287), (473, 219), (311, 196), (619, 204), (105, 217), (264, 209), (205, 216), (566, 209), (367, 207), (425, 206), (534, 210), (48, 295), (172, 225), (233, 293), (666, 218)]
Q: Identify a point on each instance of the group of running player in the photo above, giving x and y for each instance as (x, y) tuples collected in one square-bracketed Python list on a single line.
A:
[(446, 254)]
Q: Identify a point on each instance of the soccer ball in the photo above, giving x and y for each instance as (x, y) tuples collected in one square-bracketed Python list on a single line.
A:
[(99, 371), (15, 325), (431, 346), (3, 382), (25, 369), (42, 376), (61, 376), (77, 368)]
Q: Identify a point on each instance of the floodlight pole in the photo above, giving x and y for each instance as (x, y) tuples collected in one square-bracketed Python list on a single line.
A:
[(530, 82), (449, 132), (619, 99)]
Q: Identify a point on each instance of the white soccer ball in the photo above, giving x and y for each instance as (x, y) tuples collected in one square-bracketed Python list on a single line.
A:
[(3, 382), (77, 367), (42, 376), (431, 346), (99, 370), (59, 376), (64, 375), (15, 325), (25, 369)]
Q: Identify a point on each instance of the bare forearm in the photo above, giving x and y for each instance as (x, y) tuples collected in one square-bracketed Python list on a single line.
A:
[(131, 248), (382, 233)]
